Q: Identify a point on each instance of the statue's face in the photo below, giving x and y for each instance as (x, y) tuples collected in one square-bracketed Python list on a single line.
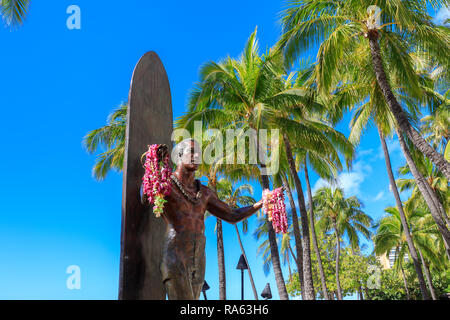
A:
[(191, 157)]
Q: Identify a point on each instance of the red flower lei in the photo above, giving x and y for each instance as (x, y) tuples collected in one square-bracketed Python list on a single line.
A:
[(156, 180), (274, 207)]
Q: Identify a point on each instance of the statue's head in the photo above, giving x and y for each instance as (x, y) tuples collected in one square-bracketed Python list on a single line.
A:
[(187, 154)]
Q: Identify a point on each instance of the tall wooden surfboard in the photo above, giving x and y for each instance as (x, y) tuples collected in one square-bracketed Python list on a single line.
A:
[(149, 121)]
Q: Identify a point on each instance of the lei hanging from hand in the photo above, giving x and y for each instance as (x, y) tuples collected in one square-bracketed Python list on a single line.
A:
[(274, 207), (156, 180)]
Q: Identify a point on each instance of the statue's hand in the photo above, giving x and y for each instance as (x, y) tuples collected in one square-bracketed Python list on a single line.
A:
[(258, 205)]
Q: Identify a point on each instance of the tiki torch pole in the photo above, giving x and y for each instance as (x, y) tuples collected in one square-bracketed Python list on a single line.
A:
[(242, 265)]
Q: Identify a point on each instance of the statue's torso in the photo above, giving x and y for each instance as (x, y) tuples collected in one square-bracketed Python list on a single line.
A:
[(184, 216), (184, 248)]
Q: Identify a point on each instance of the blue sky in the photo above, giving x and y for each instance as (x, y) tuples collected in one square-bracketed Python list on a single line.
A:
[(57, 84)]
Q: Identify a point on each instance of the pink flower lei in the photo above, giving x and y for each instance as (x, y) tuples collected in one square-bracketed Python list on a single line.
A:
[(274, 207), (156, 180)]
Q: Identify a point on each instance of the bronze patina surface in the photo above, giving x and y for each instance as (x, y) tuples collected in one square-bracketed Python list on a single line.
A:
[(149, 121), (165, 255), (183, 265)]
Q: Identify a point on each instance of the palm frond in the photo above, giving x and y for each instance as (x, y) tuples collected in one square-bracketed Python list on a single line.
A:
[(14, 12)]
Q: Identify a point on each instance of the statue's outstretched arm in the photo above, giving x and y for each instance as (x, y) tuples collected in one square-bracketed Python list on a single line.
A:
[(223, 211)]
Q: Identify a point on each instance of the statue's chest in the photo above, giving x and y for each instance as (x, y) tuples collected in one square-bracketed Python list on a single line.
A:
[(187, 205)]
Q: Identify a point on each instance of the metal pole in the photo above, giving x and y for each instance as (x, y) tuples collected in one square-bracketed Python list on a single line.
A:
[(204, 288), (242, 284)]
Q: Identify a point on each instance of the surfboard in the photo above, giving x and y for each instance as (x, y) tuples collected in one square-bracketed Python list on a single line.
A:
[(149, 121)]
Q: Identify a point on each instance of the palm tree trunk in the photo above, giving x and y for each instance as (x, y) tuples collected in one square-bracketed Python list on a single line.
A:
[(397, 111), (424, 188), (314, 236), (428, 276), (307, 270), (366, 290), (403, 220), (221, 261), (338, 254), (274, 253), (245, 257), (289, 265), (405, 283), (361, 297), (220, 248), (298, 241)]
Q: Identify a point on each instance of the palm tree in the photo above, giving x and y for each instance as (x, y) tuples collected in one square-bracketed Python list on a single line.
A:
[(333, 23), (298, 242), (325, 164), (14, 11), (241, 94), (110, 138), (285, 248), (235, 197), (436, 180), (339, 27), (286, 252), (326, 145), (390, 235), (428, 276), (376, 110), (364, 92), (344, 216), (260, 232), (221, 260), (436, 126), (211, 172), (316, 160), (436, 208), (303, 129), (429, 243), (254, 93), (403, 219), (436, 183), (327, 168)]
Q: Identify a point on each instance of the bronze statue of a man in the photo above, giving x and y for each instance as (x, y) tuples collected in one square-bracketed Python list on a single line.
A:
[(183, 262)]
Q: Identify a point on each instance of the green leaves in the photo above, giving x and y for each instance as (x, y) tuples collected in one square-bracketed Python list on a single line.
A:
[(354, 269), (339, 31), (110, 138), (340, 214), (14, 11)]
